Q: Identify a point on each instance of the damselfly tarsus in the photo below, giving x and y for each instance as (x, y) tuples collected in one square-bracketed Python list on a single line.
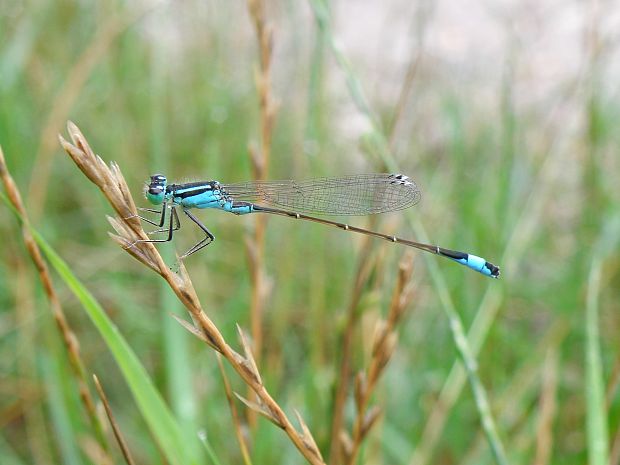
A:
[(349, 195)]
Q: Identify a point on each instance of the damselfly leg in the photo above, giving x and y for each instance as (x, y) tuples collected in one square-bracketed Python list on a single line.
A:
[(204, 242), (174, 218), (173, 225), (162, 219)]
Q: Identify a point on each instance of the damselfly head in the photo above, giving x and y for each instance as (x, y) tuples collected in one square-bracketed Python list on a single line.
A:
[(156, 189)]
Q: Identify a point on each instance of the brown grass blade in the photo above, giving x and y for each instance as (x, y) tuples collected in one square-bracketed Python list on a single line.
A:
[(383, 346), (68, 336), (260, 155), (239, 428), (117, 432)]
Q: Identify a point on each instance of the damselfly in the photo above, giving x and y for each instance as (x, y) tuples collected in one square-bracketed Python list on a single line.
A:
[(349, 195)]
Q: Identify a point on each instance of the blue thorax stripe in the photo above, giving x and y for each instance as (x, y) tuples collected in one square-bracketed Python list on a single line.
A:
[(184, 191)]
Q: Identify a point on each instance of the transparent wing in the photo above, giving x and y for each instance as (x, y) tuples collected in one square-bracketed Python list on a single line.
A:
[(361, 194)]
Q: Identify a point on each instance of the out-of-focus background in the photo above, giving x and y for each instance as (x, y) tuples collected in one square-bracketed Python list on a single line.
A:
[(505, 113)]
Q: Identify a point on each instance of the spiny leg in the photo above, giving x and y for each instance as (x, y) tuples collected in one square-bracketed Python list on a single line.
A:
[(162, 218), (171, 230), (204, 242), (150, 210), (173, 216)]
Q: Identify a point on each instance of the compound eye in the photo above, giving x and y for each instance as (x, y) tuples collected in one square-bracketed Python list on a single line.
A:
[(155, 190)]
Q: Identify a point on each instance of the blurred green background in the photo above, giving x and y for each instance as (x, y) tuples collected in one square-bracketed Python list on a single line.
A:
[(505, 114)]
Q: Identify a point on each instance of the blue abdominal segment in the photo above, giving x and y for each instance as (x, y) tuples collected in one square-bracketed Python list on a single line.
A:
[(474, 262), (238, 208)]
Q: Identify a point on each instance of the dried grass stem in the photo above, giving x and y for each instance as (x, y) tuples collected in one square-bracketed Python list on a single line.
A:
[(129, 230), (383, 347), (255, 245), (68, 336)]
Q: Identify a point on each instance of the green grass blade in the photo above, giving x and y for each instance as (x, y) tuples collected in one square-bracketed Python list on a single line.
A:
[(596, 420), (378, 141), (178, 449), (209, 449), (598, 447), (64, 432), (8, 454)]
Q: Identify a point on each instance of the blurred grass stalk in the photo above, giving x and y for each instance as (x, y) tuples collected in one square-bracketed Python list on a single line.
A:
[(609, 227), (383, 346), (380, 143), (259, 157), (513, 401), (236, 420), (366, 264), (164, 427), (120, 440), (68, 336), (66, 98), (597, 408)]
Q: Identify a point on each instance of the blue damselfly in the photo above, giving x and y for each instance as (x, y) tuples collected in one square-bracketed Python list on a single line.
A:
[(355, 195)]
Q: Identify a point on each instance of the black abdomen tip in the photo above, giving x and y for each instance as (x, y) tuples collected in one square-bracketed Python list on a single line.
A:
[(493, 270)]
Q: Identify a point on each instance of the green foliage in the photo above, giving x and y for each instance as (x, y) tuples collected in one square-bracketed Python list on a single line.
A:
[(523, 175)]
